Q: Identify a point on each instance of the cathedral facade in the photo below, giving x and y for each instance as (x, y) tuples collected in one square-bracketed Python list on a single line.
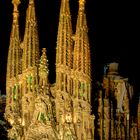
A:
[(36, 109), (39, 110)]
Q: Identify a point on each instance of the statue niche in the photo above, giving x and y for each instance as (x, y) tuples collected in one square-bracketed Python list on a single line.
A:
[(42, 124)]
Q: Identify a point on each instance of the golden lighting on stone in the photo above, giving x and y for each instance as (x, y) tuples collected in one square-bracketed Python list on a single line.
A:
[(39, 110)]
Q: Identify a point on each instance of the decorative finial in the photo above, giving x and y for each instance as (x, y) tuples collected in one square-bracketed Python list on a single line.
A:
[(43, 63), (15, 12), (44, 50), (16, 3), (82, 4), (31, 2)]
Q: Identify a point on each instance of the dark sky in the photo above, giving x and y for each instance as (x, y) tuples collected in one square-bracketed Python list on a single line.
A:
[(113, 33)]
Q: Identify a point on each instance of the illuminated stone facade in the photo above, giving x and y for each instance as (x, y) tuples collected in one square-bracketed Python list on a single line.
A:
[(114, 119), (36, 109)]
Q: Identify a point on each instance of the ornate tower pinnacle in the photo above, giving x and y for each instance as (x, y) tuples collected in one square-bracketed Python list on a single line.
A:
[(64, 41), (15, 3), (81, 50), (15, 11), (30, 43), (43, 63), (82, 3), (31, 2), (43, 69), (14, 48), (64, 45)]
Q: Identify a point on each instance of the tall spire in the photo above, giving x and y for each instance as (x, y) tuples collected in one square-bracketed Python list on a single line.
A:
[(82, 79), (30, 42), (13, 62), (64, 45), (63, 58), (13, 65), (30, 60), (82, 50), (81, 60), (64, 41)]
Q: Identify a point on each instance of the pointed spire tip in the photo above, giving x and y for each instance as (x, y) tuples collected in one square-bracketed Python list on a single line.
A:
[(44, 50)]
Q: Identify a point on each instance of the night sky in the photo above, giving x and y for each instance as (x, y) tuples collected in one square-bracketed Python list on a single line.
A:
[(113, 34)]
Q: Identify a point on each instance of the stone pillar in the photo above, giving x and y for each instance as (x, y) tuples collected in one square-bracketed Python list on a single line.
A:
[(106, 119)]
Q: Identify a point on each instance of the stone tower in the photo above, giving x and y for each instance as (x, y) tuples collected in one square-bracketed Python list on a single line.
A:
[(63, 60), (12, 111), (81, 76), (30, 61)]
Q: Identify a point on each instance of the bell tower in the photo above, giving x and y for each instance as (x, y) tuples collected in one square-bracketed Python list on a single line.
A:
[(30, 62), (63, 59), (82, 78), (13, 66)]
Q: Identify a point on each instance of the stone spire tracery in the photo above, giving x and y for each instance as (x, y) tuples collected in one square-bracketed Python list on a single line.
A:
[(12, 111), (30, 63), (81, 60), (30, 42), (82, 78), (64, 40), (13, 64)]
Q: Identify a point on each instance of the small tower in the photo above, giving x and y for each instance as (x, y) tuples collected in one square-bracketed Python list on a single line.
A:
[(43, 73)]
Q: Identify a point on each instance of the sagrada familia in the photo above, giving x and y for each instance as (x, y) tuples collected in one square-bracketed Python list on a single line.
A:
[(38, 110)]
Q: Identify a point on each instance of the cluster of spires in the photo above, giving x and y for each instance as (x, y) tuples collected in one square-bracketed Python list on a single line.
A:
[(27, 72), (77, 58)]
